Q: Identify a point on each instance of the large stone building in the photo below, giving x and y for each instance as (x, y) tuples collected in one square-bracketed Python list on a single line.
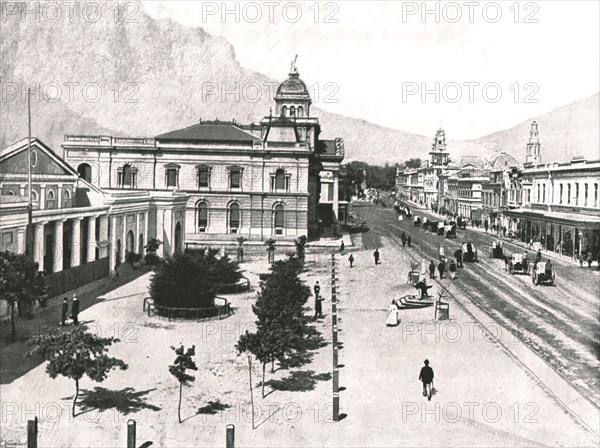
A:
[(278, 179)]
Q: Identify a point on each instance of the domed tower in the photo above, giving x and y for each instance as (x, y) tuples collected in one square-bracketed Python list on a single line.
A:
[(292, 98), (438, 153), (534, 155)]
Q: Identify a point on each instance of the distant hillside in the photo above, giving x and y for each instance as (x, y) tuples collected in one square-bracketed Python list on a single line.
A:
[(153, 77), (569, 131)]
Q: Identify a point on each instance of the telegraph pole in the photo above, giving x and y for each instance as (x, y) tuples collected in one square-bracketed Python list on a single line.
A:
[(29, 233)]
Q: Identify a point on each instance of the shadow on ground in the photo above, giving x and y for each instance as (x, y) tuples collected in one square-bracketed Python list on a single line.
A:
[(213, 407), (126, 401), (302, 381), (312, 342)]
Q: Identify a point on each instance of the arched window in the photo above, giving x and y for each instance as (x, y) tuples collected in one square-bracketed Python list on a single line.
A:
[(292, 111), (234, 218), (284, 111), (10, 193), (85, 172), (300, 111), (34, 195), (127, 176), (67, 200), (278, 219), (130, 243), (50, 201), (202, 211), (178, 238), (280, 181)]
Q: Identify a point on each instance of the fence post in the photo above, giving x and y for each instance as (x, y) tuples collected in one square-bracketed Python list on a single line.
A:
[(336, 407), (131, 433), (336, 380), (230, 436), (32, 432)]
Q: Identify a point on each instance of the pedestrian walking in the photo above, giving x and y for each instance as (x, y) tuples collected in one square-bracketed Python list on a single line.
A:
[(351, 260), (318, 307), (590, 259), (317, 289), (458, 254), (432, 270), (403, 239), (426, 377), (342, 247), (408, 240), (75, 311), (504, 231), (64, 311), (452, 269), (442, 252), (376, 256), (486, 225), (441, 268), (116, 271)]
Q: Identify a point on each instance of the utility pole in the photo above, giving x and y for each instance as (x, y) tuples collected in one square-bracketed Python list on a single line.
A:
[(29, 233)]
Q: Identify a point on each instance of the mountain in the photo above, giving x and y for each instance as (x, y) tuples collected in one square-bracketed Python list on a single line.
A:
[(572, 130), (147, 77)]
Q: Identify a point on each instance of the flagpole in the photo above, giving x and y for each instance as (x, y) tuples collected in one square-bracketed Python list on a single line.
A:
[(29, 249)]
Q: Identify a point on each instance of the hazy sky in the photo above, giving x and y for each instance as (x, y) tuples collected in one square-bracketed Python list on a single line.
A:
[(376, 59)]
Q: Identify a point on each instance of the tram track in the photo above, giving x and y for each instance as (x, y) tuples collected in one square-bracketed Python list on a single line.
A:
[(577, 418)]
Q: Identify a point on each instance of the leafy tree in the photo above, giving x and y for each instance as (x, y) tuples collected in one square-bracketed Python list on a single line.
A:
[(132, 257), (74, 353), (151, 258), (281, 324), (413, 163), (191, 279), (20, 284), (183, 362), (301, 248), (270, 243)]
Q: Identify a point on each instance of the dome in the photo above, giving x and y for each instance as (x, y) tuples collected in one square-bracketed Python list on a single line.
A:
[(292, 87)]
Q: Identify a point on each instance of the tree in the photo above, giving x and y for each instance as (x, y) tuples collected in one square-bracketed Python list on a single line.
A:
[(270, 243), (191, 279), (413, 163), (240, 250), (281, 324), (301, 248), (74, 353), (132, 257), (21, 284), (183, 362), (151, 248)]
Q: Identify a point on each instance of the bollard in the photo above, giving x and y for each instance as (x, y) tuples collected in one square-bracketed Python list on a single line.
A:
[(335, 357), (334, 319), (333, 308), (336, 380), (335, 336), (32, 432), (230, 436), (131, 433), (336, 407)]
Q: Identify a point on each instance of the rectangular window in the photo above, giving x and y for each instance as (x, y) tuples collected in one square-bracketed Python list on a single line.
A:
[(330, 192), (561, 194), (203, 177), (7, 238), (544, 194), (595, 195), (568, 193), (172, 177), (576, 194), (235, 179), (585, 203)]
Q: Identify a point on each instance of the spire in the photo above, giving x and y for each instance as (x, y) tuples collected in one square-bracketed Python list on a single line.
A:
[(533, 154)]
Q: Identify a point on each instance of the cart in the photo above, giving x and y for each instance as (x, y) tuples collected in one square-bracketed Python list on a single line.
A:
[(469, 255), (518, 264), (496, 250), (543, 274), (417, 221)]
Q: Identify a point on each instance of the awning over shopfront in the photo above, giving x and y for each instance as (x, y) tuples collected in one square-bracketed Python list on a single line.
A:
[(568, 219)]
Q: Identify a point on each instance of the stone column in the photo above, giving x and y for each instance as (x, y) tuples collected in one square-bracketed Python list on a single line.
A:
[(91, 239), (75, 242), (103, 252), (124, 239), (59, 192), (57, 265), (160, 227), (136, 237), (21, 241), (146, 217), (38, 245), (336, 190), (113, 243)]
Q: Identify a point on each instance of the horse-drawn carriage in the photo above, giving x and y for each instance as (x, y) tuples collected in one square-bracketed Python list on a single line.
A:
[(518, 264), (469, 252), (496, 250), (461, 222), (448, 229), (431, 226), (417, 221), (543, 273)]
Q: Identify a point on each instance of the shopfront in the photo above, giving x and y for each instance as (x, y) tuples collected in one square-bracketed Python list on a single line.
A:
[(562, 233)]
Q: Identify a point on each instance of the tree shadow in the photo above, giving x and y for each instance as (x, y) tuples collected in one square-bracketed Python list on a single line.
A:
[(312, 341), (301, 381), (126, 401), (213, 407)]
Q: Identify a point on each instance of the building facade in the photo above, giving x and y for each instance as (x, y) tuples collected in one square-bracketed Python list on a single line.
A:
[(278, 179)]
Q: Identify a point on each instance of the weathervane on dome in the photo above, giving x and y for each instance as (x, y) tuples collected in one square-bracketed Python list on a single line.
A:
[(293, 68)]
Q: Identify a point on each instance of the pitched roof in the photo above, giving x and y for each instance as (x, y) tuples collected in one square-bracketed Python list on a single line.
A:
[(21, 145), (217, 131)]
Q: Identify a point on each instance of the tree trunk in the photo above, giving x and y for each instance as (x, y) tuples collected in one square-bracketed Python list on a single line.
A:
[(75, 397), (272, 365), (12, 322), (263, 380), (179, 407)]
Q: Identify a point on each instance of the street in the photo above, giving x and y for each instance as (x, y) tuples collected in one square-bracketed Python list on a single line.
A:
[(559, 323)]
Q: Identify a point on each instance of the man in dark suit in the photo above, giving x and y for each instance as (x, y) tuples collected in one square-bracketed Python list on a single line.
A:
[(426, 377), (64, 311)]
